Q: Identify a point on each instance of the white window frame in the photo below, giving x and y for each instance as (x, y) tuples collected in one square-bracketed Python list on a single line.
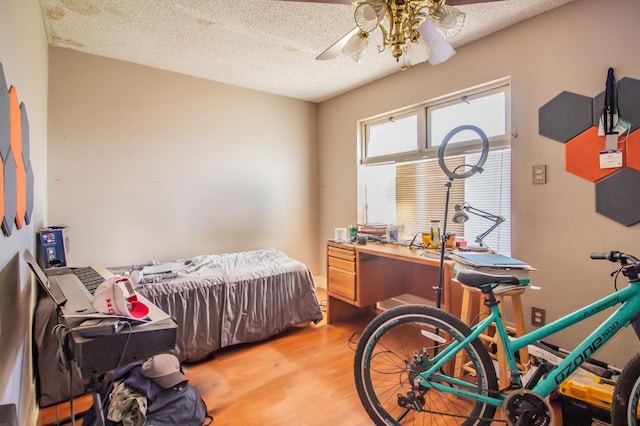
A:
[(425, 148), (420, 131), (461, 147)]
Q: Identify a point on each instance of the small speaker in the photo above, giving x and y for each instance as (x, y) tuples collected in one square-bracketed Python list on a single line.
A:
[(52, 247)]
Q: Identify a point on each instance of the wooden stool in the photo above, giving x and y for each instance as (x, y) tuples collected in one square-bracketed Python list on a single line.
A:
[(491, 337)]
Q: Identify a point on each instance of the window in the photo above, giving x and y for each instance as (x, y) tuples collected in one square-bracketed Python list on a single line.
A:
[(400, 180), (393, 135), (485, 110)]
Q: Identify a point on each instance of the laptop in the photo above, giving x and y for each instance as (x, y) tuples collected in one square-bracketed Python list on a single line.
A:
[(54, 291), (73, 297), (68, 292)]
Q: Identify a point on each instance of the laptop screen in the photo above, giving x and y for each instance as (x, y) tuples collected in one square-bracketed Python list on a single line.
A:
[(54, 293)]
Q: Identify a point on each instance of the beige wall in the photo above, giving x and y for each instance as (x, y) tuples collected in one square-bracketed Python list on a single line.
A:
[(152, 165), (555, 226), (23, 54)]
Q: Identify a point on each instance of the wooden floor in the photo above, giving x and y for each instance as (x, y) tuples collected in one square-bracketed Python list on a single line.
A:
[(301, 377)]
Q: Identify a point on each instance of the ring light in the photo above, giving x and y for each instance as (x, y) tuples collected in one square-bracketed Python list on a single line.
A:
[(453, 175), (479, 164)]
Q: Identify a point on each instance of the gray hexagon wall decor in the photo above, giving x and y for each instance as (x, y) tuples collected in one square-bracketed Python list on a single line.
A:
[(628, 95), (10, 191), (565, 116), (30, 195), (617, 196), (4, 116)]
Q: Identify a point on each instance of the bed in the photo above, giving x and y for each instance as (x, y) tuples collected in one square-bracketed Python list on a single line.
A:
[(223, 300), (216, 300)]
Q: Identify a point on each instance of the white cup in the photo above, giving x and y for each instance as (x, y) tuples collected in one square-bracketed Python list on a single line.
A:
[(341, 234)]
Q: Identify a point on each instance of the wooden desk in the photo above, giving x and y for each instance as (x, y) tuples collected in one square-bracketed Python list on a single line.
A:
[(359, 276)]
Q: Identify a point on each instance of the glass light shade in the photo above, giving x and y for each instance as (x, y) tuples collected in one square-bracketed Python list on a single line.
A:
[(417, 50), (369, 14), (356, 46), (448, 20), (441, 50)]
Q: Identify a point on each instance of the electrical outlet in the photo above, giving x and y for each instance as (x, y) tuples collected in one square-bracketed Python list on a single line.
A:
[(538, 317), (539, 174)]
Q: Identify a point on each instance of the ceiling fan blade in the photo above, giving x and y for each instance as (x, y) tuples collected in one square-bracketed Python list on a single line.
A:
[(441, 50), (335, 49)]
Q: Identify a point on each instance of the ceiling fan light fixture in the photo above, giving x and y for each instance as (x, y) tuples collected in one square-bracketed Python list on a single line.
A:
[(402, 26), (448, 20), (356, 45), (418, 50), (441, 50), (369, 14)]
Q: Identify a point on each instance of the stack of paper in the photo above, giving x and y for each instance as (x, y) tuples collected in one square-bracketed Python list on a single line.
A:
[(372, 229), (490, 263), (488, 259)]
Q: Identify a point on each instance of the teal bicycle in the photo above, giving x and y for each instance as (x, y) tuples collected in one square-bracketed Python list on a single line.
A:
[(404, 361)]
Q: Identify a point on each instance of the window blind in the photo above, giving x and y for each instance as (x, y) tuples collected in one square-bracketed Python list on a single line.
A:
[(421, 193), (490, 191)]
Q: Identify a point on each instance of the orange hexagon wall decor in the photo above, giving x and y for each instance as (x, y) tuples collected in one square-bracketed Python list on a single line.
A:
[(582, 156), (633, 150)]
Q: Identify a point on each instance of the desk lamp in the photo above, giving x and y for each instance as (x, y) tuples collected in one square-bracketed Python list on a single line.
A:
[(461, 216)]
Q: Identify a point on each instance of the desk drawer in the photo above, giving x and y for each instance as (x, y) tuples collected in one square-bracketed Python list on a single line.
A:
[(341, 253), (341, 282), (346, 265)]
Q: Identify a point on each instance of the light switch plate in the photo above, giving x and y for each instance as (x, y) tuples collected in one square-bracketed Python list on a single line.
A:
[(539, 174)]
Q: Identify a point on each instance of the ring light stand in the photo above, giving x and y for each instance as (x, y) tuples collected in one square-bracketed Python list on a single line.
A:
[(452, 174)]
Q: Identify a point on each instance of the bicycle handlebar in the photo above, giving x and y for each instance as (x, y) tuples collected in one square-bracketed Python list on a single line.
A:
[(615, 256), (630, 264)]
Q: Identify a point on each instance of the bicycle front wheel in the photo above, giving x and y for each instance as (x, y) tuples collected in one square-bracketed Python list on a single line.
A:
[(626, 394), (397, 346)]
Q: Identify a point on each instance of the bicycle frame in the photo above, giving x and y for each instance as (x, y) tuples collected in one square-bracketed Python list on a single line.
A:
[(628, 298)]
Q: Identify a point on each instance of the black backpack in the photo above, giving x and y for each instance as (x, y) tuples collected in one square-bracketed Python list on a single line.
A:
[(179, 405)]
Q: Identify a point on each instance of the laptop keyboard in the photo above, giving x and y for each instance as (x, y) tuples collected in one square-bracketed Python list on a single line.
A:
[(89, 277)]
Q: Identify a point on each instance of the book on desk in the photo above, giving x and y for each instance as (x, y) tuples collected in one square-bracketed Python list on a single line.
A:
[(492, 263)]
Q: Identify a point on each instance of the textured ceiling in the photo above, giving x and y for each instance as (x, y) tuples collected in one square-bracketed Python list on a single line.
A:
[(266, 45)]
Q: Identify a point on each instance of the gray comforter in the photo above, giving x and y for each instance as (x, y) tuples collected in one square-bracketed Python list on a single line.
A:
[(223, 300)]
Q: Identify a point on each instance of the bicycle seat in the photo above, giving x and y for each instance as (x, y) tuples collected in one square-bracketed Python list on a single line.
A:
[(477, 279)]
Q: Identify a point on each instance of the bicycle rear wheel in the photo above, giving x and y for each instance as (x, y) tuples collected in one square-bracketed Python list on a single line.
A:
[(399, 344), (624, 407)]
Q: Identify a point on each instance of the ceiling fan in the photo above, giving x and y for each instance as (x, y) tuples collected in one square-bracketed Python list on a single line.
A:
[(414, 31)]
